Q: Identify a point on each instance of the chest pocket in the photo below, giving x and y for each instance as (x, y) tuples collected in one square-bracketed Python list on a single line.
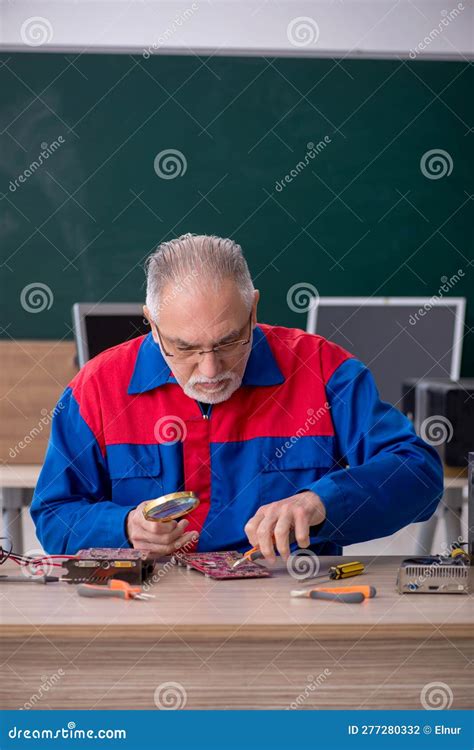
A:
[(286, 473), (135, 473)]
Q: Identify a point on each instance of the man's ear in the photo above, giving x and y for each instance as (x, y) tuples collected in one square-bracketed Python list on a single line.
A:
[(255, 305), (147, 315)]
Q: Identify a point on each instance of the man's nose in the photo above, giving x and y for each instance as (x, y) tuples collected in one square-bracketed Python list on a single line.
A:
[(209, 365)]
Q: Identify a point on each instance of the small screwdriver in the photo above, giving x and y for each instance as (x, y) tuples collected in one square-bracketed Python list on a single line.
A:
[(337, 572), (29, 579), (347, 594)]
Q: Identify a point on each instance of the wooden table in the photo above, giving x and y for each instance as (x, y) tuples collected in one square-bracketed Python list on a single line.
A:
[(232, 644)]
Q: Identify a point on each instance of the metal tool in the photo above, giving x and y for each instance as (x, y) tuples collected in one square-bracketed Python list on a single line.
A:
[(117, 588), (29, 579), (170, 507), (338, 572), (347, 594), (255, 554)]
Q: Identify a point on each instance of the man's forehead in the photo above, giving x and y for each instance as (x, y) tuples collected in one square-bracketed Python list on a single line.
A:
[(196, 334), (199, 315)]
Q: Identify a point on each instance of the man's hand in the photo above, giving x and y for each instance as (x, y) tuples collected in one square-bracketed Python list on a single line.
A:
[(276, 520), (158, 538)]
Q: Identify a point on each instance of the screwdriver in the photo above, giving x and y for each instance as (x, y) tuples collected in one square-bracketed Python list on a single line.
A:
[(255, 554), (115, 587), (347, 594), (343, 570), (29, 579)]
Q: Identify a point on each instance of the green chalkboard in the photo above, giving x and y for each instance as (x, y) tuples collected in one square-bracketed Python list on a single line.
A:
[(357, 214)]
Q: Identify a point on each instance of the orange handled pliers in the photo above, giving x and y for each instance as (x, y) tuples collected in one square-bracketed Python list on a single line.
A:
[(115, 587)]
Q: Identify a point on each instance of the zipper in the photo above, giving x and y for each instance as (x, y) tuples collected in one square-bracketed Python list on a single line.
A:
[(208, 412)]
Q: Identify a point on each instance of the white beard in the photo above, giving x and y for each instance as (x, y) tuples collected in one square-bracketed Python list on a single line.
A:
[(212, 398)]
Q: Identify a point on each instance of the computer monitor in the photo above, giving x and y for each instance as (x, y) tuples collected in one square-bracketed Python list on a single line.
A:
[(100, 326), (396, 337)]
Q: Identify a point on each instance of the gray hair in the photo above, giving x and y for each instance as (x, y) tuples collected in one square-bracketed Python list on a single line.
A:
[(195, 258)]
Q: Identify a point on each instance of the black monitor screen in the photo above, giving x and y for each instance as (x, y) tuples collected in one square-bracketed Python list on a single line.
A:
[(104, 331)]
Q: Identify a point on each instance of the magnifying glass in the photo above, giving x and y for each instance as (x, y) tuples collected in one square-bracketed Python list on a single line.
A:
[(171, 506)]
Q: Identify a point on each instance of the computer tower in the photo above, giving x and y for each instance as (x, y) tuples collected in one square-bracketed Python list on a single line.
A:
[(444, 417)]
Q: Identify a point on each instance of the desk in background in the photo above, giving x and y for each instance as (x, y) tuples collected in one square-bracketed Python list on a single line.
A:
[(234, 644), (34, 374), (16, 487)]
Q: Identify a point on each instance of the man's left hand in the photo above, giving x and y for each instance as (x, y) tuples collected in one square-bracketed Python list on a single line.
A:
[(272, 523)]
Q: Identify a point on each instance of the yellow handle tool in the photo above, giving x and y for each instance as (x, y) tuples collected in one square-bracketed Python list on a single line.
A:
[(338, 572)]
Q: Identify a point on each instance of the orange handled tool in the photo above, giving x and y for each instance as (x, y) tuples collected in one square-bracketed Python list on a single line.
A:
[(115, 587), (347, 594), (255, 554)]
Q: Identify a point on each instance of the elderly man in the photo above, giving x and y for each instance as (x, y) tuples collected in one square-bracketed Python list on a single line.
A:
[(275, 430)]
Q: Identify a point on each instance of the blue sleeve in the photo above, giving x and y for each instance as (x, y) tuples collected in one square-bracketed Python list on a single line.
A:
[(393, 477), (71, 508)]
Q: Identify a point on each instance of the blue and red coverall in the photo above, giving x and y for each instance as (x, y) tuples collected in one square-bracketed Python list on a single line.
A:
[(307, 416)]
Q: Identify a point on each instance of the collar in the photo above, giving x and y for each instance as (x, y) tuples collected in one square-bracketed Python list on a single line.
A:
[(151, 370)]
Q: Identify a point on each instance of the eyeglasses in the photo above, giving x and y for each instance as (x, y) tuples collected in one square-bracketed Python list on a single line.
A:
[(221, 350)]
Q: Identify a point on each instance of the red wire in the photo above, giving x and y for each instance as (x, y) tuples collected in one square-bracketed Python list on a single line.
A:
[(39, 562), (53, 557)]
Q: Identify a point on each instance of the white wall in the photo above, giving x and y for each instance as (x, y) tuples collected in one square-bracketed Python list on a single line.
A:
[(427, 28)]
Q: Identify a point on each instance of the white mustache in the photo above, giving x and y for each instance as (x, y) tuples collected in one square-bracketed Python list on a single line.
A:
[(192, 391), (197, 379)]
